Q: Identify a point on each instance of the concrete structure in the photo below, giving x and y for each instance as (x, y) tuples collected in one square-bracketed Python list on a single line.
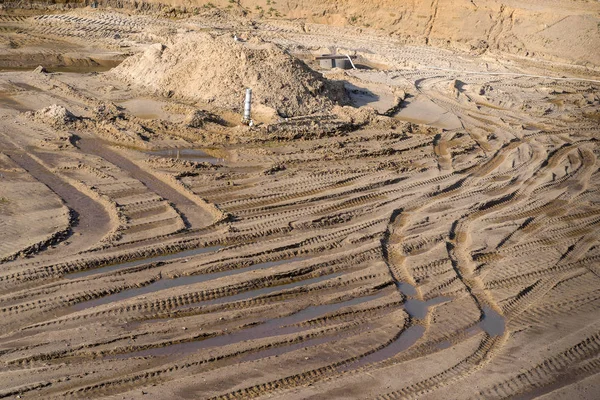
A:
[(328, 61)]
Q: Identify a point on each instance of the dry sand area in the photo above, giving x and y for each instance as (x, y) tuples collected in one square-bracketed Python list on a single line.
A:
[(424, 226)]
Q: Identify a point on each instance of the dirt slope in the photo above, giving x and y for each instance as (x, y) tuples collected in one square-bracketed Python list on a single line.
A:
[(559, 30), (562, 30)]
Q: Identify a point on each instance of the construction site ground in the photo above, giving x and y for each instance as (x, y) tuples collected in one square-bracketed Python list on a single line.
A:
[(423, 226)]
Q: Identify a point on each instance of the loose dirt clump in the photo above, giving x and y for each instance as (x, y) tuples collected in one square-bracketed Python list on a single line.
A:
[(217, 70), (55, 115), (198, 119), (40, 70)]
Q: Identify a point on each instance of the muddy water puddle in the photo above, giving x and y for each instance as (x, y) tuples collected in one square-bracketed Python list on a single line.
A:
[(264, 291), (145, 108), (407, 289), (405, 340), (285, 325), (418, 308), (196, 155), (135, 263), (381, 99), (492, 322), (415, 308), (445, 344), (176, 282), (421, 110), (274, 327)]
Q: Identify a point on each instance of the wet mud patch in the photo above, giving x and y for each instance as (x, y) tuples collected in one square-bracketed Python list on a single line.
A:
[(180, 281), (135, 263), (196, 155), (52, 62), (146, 108), (421, 110), (9, 102)]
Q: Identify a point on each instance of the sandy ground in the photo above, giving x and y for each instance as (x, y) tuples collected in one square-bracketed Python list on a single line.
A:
[(435, 235)]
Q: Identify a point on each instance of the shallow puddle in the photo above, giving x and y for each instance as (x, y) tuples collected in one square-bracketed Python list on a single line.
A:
[(264, 291), (415, 308), (443, 345), (149, 109), (196, 155), (421, 110), (172, 283), (381, 99), (492, 323), (407, 289), (406, 339), (418, 308), (313, 312), (275, 327), (135, 263)]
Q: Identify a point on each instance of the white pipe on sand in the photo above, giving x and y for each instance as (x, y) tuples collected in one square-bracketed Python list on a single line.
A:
[(247, 105)]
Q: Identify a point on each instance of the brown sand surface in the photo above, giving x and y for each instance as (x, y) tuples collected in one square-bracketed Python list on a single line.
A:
[(423, 226)]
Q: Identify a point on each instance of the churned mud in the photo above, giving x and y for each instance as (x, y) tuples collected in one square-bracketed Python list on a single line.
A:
[(424, 226)]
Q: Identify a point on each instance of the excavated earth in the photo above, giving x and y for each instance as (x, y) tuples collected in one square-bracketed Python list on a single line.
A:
[(424, 226)]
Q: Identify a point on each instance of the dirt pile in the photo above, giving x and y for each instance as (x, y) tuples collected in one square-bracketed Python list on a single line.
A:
[(217, 70), (54, 115), (198, 118)]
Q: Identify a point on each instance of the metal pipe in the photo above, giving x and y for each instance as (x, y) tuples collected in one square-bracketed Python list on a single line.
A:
[(248, 105)]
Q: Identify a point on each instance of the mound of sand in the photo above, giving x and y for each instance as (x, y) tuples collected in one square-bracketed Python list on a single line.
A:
[(199, 67), (54, 115)]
